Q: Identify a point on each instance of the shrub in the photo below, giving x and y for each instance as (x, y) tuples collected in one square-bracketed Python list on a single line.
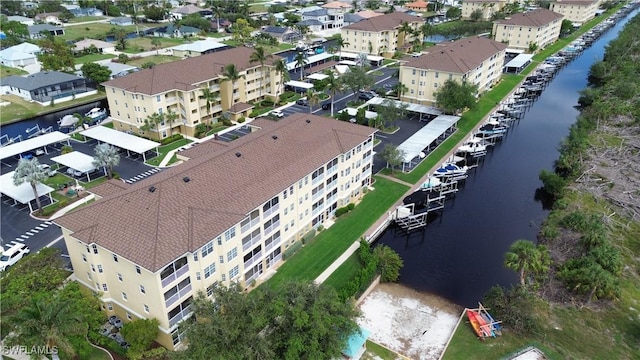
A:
[(341, 211), (351, 206), (253, 114), (309, 236), (267, 103), (291, 250), (241, 120), (172, 138), (226, 122), (66, 149)]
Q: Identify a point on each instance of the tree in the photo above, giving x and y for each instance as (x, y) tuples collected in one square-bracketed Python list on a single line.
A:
[(196, 21), (170, 117), (566, 27), (121, 39), (373, 4), (140, 334), (389, 263), (260, 56), (156, 43), (106, 156), (389, 113), (453, 96), (56, 54), (453, 12), (241, 31), (313, 98), (476, 15), (334, 85), (533, 47), (301, 61), (96, 72), (29, 171), (427, 29), (357, 79), (210, 98), (400, 89), (281, 69), (392, 156), (231, 73), (405, 30), (340, 43), (217, 9), (151, 122), (525, 257), (155, 13), (123, 58), (584, 275)]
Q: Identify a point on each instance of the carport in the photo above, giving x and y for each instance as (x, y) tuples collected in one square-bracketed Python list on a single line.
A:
[(78, 161), (318, 77), (518, 63), (22, 193), (37, 142), (353, 112), (437, 129), (299, 86), (131, 143), (311, 60), (410, 107), (374, 59)]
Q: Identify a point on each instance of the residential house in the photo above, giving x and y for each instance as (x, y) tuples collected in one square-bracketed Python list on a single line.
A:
[(186, 10), (350, 18), (118, 69), (172, 31), (198, 48), (576, 11), (367, 14), (224, 217), (42, 30), (47, 86), (121, 21), (418, 5), (476, 60), (320, 16), (22, 20), (29, 5), (488, 7), (101, 47), (379, 35), (336, 11), (178, 86), (49, 18), (282, 33), (20, 55), (312, 24), (539, 27), (220, 26)]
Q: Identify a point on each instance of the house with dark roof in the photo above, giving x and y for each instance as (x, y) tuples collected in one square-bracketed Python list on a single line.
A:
[(350, 18), (41, 30), (532, 29), (172, 31), (475, 60), (179, 87), (312, 24), (225, 216), (190, 9), (381, 34), (47, 86), (576, 11), (282, 33)]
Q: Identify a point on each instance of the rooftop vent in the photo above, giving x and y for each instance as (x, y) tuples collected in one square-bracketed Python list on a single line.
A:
[(274, 137), (238, 154), (152, 189), (308, 121), (186, 179)]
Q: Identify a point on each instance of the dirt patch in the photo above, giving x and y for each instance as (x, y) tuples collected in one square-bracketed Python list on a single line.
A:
[(411, 323)]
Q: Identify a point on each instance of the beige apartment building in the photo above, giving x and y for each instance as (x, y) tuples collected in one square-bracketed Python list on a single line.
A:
[(380, 35), (488, 7), (576, 11), (179, 87), (540, 27), (476, 60), (225, 216)]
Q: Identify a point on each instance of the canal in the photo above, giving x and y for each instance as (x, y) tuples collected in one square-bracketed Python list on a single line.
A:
[(459, 255)]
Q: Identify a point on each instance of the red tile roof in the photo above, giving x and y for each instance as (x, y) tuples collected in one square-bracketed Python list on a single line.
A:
[(459, 56), (162, 217), (384, 22), (538, 17)]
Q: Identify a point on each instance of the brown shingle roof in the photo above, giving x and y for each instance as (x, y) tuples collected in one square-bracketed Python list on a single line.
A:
[(538, 17), (384, 22), (336, 5), (240, 107), (417, 4), (459, 56), (183, 74), (576, 2), (109, 187), (153, 228)]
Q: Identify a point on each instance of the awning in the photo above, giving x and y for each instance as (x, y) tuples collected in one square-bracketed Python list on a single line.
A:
[(350, 55), (353, 112), (33, 143), (414, 145), (22, 193), (519, 62), (348, 62), (341, 69), (120, 139), (514, 51), (317, 76), (310, 60), (76, 160), (299, 84), (415, 108)]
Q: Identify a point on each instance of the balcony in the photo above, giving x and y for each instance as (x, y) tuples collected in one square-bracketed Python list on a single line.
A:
[(272, 210), (317, 179), (177, 296), (317, 210), (175, 276), (255, 258), (185, 313), (273, 226), (170, 100), (273, 244), (249, 245), (331, 199), (317, 195)]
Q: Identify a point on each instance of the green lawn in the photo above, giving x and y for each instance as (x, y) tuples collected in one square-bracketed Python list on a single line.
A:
[(156, 59), (329, 244), (216, 129), (8, 71), (346, 272), (92, 58), (268, 48), (85, 18), (92, 31), (163, 150), (379, 351), (19, 109), (109, 125), (388, 61), (144, 44)]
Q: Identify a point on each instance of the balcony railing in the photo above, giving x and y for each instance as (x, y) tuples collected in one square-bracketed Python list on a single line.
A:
[(271, 210), (177, 296), (248, 245), (255, 258), (317, 179), (253, 277), (272, 244), (185, 313), (170, 100), (273, 226), (175, 276), (317, 195)]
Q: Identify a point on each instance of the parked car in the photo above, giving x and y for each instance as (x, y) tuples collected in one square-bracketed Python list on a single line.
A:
[(277, 113), (47, 170), (12, 255), (366, 95), (303, 102), (326, 105)]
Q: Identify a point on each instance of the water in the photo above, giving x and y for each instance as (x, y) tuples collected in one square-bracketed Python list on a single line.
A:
[(460, 255)]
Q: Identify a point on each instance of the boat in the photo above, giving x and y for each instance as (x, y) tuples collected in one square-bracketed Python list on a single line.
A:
[(451, 170), (432, 183), (474, 147), (96, 114), (480, 326), (68, 121)]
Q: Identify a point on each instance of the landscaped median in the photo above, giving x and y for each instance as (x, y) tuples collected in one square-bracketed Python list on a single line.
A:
[(330, 243)]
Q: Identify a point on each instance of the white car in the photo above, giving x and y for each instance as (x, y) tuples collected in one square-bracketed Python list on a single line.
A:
[(12, 255), (47, 170), (277, 113)]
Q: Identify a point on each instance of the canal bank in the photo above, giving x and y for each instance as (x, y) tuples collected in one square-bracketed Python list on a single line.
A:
[(28, 110)]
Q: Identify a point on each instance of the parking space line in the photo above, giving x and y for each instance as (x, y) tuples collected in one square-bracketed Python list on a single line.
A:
[(48, 222), (34, 231), (19, 239), (39, 228), (29, 233), (44, 225), (24, 236)]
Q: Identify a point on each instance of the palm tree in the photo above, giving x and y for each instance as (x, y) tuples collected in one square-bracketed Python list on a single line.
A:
[(49, 322), (210, 98), (232, 74), (171, 116), (340, 42), (524, 257), (30, 171), (301, 61), (313, 98), (281, 68), (106, 157), (217, 9), (260, 56), (427, 30), (405, 29), (152, 122), (400, 89), (334, 85), (156, 44)]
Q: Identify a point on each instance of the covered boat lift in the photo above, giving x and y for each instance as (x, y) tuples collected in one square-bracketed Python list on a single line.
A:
[(131, 143), (78, 161), (22, 193), (37, 142), (438, 128), (410, 107), (518, 63)]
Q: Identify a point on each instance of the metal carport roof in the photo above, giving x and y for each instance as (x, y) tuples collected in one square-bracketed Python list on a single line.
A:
[(299, 84), (519, 62), (77, 161), (414, 145), (34, 143), (22, 193), (120, 139), (416, 108)]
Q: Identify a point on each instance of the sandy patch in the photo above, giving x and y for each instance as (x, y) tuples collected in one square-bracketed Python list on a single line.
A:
[(413, 324)]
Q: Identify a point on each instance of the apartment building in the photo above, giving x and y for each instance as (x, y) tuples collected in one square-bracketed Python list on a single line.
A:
[(488, 7), (180, 86), (540, 27), (576, 11), (476, 60), (224, 216), (380, 34)]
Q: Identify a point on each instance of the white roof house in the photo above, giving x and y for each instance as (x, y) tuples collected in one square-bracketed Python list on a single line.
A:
[(21, 19), (19, 55)]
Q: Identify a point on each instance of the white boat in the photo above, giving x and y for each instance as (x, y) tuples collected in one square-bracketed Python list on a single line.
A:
[(67, 121), (473, 147), (451, 170), (96, 114), (432, 183)]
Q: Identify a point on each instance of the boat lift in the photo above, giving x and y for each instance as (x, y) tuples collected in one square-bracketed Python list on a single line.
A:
[(36, 131)]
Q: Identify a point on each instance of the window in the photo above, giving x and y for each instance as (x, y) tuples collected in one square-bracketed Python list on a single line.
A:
[(224, 277), (271, 205), (84, 258), (115, 257), (219, 239), (229, 234), (100, 270), (95, 248), (207, 249), (232, 254), (158, 98), (109, 306), (195, 256), (209, 270), (146, 308), (234, 272), (137, 269), (104, 287), (119, 277), (221, 258), (93, 268), (128, 316), (142, 290), (89, 276), (124, 296)]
